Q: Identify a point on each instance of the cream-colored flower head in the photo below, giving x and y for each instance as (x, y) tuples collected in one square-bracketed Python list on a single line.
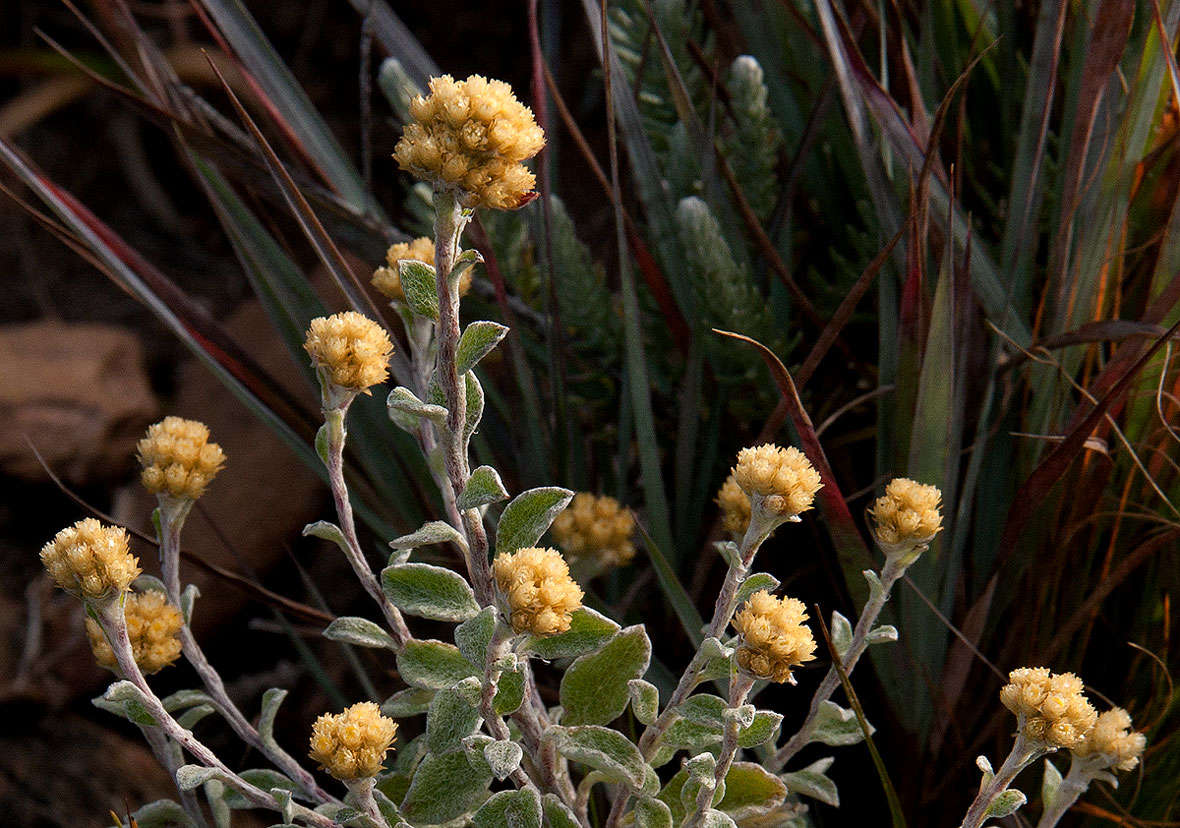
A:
[(1113, 740), (782, 480), (352, 744), (735, 508), (1051, 707), (907, 516), (350, 349), (537, 587), (91, 561), (471, 136), (773, 636), (595, 528), (388, 280), (178, 459), (153, 625)]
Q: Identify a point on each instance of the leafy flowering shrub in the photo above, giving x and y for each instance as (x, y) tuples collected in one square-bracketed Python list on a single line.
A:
[(614, 750)]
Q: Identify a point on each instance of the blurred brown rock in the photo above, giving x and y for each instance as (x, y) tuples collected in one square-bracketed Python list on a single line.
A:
[(81, 394)]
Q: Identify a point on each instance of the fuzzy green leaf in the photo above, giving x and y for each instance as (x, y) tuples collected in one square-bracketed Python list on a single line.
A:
[(528, 516), (602, 749), (326, 530), (127, 700), (271, 700), (836, 725), (812, 782), (652, 813), (264, 778), (413, 701), (435, 531), (1005, 803), (1050, 784), (193, 776), (503, 758), (445, 787), (645, 700), (475, 635), (755, 582), (509, 693), (510, 809), (594, 689), (557, 815), (763, 729), (359, 631), (483, 487), (433, 665), (475, 404), (588, 631), (477, 341), (418, 285), (429, 592), (750, 790), (841, 634), (450, 720), (406, 410), (189, 718)]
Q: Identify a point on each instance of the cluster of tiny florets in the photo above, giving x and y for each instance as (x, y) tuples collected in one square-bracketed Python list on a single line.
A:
[(774, 638), (472, 136), (90, 560), (387, 279), (907, 515), (178, 459), (596, 528), (538, 589), (351, 349), (735, 508), (352, 744), (783, 477), (1052, 707), (153, 626), (1113, 739)]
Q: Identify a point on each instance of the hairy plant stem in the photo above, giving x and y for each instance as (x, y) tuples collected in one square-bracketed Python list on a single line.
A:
[(495, 722), (1076, 782), (891, 572), (450, 219), (739, 689), (1024, 752), (168, 754), (336, 433), (723, 609), (110, 616), (171, 515), (362, 793)]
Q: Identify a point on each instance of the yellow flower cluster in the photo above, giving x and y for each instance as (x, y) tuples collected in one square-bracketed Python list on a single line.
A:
[(153, 625), (352, 744), (538, 589), (907, 515), (735, 508), (597, 528), (91, 561), (773, 636), (472, 136), (1052, 707), (1113, 739), (388, 280), (178, 459), (783, 477), (351, 349)]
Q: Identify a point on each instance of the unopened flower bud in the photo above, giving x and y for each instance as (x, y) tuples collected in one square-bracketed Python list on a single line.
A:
[(774, 638), (91, 561), (471, 136), (350, 350), (352, 745), (538, 590), (178, 459), (153, 627)]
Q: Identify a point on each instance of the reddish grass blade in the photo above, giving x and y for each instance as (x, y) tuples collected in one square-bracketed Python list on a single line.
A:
[(853, 554)]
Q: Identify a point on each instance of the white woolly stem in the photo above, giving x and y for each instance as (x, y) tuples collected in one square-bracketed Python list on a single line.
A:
[(890, 574), (1023, 754), (739, 689), (172, 514)]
